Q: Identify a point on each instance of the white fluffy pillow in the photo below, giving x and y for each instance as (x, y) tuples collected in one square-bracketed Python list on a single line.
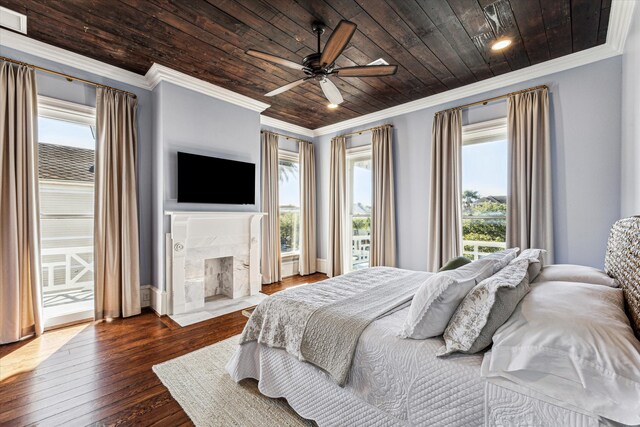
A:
[(485, 308), (436, 300), (575, 273), (572, 342)]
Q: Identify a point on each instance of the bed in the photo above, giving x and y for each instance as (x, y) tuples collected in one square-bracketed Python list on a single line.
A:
[(398, 382)]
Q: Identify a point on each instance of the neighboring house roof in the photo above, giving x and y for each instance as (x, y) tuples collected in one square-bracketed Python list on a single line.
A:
[(64, 163), (360, 209), (495, 199)]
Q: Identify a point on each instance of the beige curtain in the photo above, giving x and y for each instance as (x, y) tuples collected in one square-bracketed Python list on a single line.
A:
[(383, 216), (271, 261), (445, 205), (116, 257), (529, 214), (307, 160), (20, 273), (337, 207)]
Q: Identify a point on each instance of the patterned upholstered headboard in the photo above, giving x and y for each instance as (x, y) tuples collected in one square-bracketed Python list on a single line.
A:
[(623, 264)]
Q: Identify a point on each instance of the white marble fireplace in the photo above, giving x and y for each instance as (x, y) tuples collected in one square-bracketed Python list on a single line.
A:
[(212, 258)]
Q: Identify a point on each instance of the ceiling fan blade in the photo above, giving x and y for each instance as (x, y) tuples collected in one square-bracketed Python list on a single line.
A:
[(337, 42), (367, 71), (275, 59), (286, 87), (331, 91)]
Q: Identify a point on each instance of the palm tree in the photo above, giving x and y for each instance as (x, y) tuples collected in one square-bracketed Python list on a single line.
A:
[(286, 169), (468, 198)]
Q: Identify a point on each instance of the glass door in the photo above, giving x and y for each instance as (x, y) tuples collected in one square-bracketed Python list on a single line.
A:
[(66, 152), (360, 181)]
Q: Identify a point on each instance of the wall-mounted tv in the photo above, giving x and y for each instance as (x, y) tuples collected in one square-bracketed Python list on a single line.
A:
[(203, 179)]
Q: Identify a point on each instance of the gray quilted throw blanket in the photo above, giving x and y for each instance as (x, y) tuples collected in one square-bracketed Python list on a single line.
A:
[(321, 323)]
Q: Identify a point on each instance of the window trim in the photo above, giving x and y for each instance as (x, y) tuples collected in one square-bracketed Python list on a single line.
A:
[(293, 157), (53, 108), (487, 131)]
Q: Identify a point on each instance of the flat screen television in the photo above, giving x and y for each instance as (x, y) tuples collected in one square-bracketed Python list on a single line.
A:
[(203, 179)]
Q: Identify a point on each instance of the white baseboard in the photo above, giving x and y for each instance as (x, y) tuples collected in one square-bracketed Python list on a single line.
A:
[(290, 268), (154, 298), (321, 265)]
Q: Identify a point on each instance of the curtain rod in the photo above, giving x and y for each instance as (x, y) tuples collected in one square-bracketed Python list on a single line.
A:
[(66, 76), (495, 98), (360, 132), (284, 136)]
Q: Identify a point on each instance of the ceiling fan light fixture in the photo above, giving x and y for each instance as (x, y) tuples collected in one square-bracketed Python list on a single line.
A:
[(501, 44), (332, 106)]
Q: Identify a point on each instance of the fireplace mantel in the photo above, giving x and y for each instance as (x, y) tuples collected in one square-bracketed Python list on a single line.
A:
[(196, 238)]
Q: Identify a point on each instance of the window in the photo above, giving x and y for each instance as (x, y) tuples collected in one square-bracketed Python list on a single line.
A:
[(484, 188), (66, 151), (289, 183), (359, 184)]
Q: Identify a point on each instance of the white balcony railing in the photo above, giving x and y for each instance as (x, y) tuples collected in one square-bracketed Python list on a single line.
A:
[(360, 247), (476, 252), (75, 268)]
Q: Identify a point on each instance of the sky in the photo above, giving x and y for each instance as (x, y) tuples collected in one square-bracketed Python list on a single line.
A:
[(484, 168), (59, 132), (362, 180), (289, 190)]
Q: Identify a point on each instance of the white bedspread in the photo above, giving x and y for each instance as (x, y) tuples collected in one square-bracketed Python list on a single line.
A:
[(396, 382)]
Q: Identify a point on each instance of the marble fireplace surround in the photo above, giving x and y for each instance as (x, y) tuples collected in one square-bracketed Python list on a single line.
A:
[(212, 254)]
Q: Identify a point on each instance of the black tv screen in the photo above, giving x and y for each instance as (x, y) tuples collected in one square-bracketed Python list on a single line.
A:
[(203, 179)]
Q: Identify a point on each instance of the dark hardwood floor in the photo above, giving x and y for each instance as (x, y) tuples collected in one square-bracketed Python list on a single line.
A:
[(99, 373)]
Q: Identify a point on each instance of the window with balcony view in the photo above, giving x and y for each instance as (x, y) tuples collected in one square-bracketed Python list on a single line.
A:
[(66, 171), (484, 188), (359, 200), (289, 193)]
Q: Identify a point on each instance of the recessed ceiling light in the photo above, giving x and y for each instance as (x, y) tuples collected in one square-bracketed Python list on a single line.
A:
[(332, 106), (501, 44)]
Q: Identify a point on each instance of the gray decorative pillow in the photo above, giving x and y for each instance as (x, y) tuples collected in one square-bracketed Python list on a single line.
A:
[(485, 308), (536, 255)]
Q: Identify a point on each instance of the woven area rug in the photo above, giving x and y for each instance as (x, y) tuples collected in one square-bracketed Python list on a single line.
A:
[(206, 392)]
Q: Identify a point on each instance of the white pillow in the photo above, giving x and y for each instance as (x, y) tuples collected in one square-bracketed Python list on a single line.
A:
[(485, 308), (575, 273), (436, 300), (434, 304), (572, 342)]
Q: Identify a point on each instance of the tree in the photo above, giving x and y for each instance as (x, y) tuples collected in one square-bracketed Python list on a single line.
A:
[(286, 168), (468, 198)]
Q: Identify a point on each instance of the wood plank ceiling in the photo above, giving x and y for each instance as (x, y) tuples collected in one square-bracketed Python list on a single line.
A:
[(438, 44)]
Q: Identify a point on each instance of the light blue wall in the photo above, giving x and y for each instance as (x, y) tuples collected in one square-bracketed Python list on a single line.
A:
[(585, 129), (189, 121), (631, 119), (58, 87)]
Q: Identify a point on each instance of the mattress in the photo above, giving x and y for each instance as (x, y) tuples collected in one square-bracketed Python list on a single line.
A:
[(396, 382)]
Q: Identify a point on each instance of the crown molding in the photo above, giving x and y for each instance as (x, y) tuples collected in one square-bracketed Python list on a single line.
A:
[(619, 23), (159, 73), (286, 126), (563, 63), (618, 29), (62, 56)]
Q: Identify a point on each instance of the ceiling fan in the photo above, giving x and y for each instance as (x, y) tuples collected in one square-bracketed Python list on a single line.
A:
[(320, 65)]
